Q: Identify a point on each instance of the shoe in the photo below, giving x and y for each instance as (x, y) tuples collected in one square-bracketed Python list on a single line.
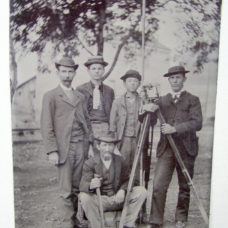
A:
[(153, 225), (180, 224), (80, 224)]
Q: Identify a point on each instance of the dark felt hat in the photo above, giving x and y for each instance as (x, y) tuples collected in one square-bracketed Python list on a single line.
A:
[(131, 74), (66, 61), (176, 70), (95, 59), (108, 137)]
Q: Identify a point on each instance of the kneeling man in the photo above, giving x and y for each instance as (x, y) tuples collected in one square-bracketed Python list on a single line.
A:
[(105, 171)]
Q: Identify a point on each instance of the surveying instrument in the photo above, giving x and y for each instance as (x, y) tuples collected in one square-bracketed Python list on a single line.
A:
[(151, 94)]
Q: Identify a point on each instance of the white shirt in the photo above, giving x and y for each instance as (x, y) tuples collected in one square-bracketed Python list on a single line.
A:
[(177, 94)]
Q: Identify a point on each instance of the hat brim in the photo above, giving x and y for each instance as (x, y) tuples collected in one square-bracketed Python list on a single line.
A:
[(107, 141), (74, 66), (87, 64), (177, 72), (124, 77)]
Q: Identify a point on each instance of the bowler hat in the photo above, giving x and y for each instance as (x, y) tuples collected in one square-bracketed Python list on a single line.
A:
[(131, 74), (66, 61), (95, 59), (108, 137), (176, 70)]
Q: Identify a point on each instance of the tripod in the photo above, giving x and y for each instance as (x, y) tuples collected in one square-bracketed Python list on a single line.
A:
[(140, 146)]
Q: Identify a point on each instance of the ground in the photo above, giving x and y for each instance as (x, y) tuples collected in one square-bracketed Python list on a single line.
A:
[(35, 183)]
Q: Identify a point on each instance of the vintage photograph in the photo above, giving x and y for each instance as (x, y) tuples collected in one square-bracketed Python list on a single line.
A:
[(113, 110)]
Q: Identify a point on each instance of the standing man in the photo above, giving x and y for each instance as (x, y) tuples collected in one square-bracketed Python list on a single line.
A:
[(106, 171), (98, 96), (124, 119), (182, 112), (65, 126), (124, 116)]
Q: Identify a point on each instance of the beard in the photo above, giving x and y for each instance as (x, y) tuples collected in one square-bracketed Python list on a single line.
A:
[(107, 156)]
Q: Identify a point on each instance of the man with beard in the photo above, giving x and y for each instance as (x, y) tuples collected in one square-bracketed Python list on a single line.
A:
[(106, 171)]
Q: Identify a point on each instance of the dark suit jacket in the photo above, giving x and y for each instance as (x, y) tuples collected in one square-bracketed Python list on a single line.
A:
[(57, 117), (107, 95), (94, 166), (186, 116)]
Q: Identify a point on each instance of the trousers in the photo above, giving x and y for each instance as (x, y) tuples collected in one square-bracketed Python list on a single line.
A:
[(127, 150), (163, 174), (69, 175), (90, 206)]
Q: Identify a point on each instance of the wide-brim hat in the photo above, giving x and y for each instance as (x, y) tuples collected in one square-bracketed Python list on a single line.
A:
[(131, 74), (108, 137), (95, 59), (176, 70), (66, 61)]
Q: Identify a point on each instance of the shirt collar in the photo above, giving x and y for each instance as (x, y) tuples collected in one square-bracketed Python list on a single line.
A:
[(177, 94), (66, 88), (100, 86), (128, 97)]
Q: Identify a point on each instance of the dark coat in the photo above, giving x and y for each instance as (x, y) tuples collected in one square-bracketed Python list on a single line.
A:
[(57, 116), (107, 95), (94, 166), (186, 116)]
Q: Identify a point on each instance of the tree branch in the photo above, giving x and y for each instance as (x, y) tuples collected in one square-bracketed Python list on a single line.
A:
[(83, 45), (120, 46)]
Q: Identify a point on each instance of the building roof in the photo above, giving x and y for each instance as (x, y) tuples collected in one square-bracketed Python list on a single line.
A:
[(26, 82)]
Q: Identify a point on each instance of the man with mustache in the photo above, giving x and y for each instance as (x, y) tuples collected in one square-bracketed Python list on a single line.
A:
[(106, 171)]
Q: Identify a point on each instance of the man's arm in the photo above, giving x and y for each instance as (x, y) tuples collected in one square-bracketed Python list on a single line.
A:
[(194, 123), (87, 176), (47, 124), (113, 117)]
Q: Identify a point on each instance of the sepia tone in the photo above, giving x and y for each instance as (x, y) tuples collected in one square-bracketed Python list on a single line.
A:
[(185, 33)]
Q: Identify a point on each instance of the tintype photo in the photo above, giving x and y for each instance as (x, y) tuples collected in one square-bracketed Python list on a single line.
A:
[(113, 111)]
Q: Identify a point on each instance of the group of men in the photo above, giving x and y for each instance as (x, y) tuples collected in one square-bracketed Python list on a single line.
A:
[(91, 138)]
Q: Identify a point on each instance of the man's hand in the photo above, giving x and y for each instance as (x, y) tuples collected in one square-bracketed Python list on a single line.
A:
[(119, 198), (95, 183), (53, 158), (167, 129), (151, 107)]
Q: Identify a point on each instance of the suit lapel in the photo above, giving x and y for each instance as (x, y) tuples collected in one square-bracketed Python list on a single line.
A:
[(88, 88), (181, 98), (98, 164), (66, 99)]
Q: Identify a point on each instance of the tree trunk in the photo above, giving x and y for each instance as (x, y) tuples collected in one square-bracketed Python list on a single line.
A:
[(100, 34)]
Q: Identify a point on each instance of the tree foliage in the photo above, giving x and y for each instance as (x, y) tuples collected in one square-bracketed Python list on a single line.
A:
[(70, 24)]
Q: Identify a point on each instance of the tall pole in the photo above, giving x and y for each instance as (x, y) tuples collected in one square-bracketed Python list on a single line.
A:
[(143, 63), (143, 36)]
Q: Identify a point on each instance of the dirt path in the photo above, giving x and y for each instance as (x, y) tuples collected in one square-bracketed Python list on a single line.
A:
[(35, 183)]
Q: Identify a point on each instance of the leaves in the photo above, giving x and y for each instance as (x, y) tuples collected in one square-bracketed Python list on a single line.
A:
[(91, 23)]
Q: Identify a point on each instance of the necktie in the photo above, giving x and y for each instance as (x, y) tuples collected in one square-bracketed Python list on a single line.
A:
[(175, 99), (96, 97)]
